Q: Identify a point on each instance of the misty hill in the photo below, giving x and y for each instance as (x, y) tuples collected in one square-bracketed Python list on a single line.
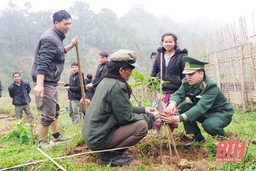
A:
[(21, 29)]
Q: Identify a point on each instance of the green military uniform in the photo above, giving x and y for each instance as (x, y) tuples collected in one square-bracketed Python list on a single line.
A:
[(207, 105)]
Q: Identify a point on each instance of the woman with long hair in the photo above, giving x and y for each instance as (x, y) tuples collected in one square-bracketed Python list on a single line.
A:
[(171, 69)]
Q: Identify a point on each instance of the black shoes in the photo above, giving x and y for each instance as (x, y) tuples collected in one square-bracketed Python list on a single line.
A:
[(196, 139), (253, 141), (115, 159)]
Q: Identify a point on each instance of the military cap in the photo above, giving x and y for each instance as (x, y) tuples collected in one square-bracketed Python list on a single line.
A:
[(192, 65), (125, 55), (104, 54)]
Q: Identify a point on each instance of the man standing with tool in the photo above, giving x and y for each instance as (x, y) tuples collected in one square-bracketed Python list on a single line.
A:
[(74, 93), (46, 71)]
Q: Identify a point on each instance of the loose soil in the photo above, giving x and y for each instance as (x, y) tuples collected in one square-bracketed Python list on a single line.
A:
[(147, 152), (6, 122)]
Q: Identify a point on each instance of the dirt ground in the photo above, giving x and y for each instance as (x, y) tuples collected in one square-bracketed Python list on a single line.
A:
[(6, 122), (148, 153)]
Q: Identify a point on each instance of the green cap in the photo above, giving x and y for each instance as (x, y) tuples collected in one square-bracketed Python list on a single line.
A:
[(192, 65)]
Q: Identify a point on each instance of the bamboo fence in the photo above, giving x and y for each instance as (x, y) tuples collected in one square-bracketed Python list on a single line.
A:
[(231, 53)]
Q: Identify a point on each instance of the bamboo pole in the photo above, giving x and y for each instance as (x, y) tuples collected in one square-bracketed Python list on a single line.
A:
[(59, 166), (31, 124), (159, 100), (169, 145), (250, 54), (217, 70), (253, 50), (160, 104), (65, 157), (147, 70), (253, 28), (241, 70), (230, 58), (81, 78), (215, 55), (174, 144), (142, 58)]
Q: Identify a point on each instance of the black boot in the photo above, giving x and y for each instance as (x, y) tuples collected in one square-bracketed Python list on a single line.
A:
[(197, 138), (115, 159)]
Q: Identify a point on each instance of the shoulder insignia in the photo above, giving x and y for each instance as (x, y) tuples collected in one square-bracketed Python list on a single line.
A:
[(184, 81)]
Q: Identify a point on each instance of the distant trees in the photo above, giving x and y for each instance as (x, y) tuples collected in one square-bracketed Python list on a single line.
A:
[(21, 28)]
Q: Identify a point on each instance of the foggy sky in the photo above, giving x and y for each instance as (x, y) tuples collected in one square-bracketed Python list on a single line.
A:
[(179, 10)]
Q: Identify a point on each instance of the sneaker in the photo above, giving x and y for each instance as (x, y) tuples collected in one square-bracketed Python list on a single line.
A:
[(61, 139), (115, 159), (45, 144), (253, 141)]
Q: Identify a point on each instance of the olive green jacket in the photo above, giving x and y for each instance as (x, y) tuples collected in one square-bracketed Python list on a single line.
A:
[(207, 98), (109, 109)]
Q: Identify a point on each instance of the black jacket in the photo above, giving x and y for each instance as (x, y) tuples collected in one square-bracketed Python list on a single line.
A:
[(49, 57), (101, 72), (74, 92), (173, 73), (89, 94), (20, 94)]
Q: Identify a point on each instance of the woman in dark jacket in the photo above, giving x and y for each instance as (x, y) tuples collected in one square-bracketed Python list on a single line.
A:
[(111, 121), (172, 67)]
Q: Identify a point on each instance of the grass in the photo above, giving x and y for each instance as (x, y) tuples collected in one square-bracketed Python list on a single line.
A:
[(14, 152)]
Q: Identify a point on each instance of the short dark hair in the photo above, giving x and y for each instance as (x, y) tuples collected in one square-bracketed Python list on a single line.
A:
[(74, 64), (89, 76), (60, 15), (104, 54), (15, 73), (153, 54)]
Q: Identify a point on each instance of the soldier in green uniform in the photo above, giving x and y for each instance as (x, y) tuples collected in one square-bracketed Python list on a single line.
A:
[(207, 103)]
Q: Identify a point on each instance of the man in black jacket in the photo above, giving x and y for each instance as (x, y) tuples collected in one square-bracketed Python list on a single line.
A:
[(74, 94), (100, 73), (19, 92), (46, 71)]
